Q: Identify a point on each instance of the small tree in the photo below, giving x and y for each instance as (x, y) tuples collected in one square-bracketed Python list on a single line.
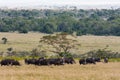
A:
[(25, 31), (37, 53), (10, 52), (59, 43), (102, 53), (10, 49), (4, 40)]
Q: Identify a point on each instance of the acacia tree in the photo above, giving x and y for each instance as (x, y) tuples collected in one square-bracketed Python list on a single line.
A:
[(59, 43), (4, 40), (10, 52)]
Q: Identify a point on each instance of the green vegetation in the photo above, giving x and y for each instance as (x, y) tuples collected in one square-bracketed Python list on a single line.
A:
[(96, 22), (4, 40), (102, 53), (114, 60), (28, 46), (30, 41), (80, 22), (60, 43)]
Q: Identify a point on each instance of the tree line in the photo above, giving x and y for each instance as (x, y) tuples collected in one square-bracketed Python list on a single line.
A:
[(95, 22)]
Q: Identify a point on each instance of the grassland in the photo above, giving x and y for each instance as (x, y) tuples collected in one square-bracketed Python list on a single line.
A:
[(100, 71), (26, 42), (20, 42)]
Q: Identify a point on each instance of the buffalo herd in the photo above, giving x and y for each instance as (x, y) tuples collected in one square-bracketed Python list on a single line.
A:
[(8, 62), (51, 61), (91, 60)]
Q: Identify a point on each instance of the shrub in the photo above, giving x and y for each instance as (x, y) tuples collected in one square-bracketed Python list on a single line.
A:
[(4, 40), (37, 53), (102, 53), (62, 54), (23, 31)]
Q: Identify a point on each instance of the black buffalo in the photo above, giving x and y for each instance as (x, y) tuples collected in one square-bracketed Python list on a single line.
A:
[(30, 61), (7, 62), (97, 59), (82, 61), (42, 61), (69, 60), (51, 61), (90, 61), (16, 63), (56, 61), (87, 61), (105, 60)]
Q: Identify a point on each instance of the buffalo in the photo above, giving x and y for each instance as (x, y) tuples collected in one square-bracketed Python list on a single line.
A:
[(105, 60), (69, 60), (87, 61), (82, 61), (40, 61), (90, 61), (30, 61), (97, 59), (16, 63), (7, 62), (43, 61), (56, 61)]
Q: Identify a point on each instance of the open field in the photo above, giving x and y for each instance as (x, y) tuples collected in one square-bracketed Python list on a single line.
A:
[(26, 42), (20, 42), (100, 71)]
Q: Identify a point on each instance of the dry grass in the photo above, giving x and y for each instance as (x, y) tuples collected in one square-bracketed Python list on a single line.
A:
[(20, 42), (27, 42), (100, 71), (99, 42)]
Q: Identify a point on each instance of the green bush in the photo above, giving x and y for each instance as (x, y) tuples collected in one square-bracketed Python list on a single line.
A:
[(102, 53), (114, 60), (23, 31), (65, 54)]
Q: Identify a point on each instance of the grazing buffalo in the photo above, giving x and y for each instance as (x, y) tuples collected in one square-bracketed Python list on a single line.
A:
[(7, 62), (69, 60), (40, 61), (56, 61), (30, 61), (16, 63), (97, 59), (105, 60), (90, 61), (82, 61), (43, 61)]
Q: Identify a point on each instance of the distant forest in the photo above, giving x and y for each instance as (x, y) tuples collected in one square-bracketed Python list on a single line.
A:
[(93, 21)]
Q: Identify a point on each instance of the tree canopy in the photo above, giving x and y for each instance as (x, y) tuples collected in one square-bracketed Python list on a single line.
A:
[(59, 43), (96, 22)]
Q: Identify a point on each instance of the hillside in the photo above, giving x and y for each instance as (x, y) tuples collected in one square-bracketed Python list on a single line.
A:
[(92, 21)]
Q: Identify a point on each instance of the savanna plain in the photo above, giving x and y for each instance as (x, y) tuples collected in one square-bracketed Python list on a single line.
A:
[(99, 71)]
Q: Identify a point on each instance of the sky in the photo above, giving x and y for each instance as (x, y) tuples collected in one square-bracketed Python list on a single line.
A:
[(22, 3)]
